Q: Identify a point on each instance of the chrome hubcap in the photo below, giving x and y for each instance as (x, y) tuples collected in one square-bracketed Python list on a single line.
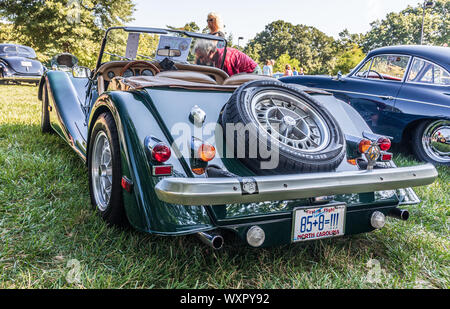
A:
[(436, 141), (102, 171), (291, 121)]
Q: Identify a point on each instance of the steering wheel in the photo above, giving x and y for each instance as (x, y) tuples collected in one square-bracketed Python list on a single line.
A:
[(140, 62), (379, 75)]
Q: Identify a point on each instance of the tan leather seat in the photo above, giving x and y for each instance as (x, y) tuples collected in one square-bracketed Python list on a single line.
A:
[(240, 79), (188, 76)]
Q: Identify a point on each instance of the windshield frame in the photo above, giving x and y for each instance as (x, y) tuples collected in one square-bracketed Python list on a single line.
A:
[(157, 31)]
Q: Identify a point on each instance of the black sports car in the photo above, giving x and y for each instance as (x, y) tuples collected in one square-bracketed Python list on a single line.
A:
[(18, 64)]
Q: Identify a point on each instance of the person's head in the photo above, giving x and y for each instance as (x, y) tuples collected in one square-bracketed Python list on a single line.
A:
[(214, 22), (295, 69), (204, 52), (301, 70), (288, 67), (269, 62)]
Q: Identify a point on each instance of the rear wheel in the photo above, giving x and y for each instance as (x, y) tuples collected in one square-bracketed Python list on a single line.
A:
[(45, 115), (105, 171), (431, 141)]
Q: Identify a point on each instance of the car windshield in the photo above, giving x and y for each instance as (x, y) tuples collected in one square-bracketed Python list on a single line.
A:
[(178, 46), (15, 50)]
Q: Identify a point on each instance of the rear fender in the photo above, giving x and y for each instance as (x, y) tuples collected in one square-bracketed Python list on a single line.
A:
[(135, 121)]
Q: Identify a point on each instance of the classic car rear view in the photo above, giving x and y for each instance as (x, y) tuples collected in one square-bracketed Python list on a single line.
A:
[(18, 64), (175, 148)]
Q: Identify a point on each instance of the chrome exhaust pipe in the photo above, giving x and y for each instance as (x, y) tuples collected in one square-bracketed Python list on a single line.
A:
[(400, 214), (215, 241)]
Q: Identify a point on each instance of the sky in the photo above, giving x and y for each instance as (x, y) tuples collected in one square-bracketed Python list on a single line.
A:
[(246, 18)]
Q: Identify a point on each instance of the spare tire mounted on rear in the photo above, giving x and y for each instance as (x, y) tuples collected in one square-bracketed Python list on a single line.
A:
[(287, 121)]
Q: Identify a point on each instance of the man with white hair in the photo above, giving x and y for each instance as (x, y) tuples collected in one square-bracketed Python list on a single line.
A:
[(235, 62)]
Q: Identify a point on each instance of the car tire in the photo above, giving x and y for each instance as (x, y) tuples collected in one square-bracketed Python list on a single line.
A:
[(314, 143), (105, 171), (45, 115), (428, 146)]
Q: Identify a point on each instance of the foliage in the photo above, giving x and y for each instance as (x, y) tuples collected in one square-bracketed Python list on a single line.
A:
[(312, 48), (348, 59), (405, 27), (282, 61), (191, 27), (73, 26)]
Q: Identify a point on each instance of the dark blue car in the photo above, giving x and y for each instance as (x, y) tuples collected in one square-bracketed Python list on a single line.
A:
[(18, 64), (402, 92)]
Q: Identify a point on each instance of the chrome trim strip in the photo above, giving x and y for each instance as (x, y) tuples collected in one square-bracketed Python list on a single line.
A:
[(22, 78), (220, 191), (377, 96)]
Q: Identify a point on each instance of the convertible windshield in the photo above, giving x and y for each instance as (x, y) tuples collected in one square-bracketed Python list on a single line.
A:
[(158, 45)]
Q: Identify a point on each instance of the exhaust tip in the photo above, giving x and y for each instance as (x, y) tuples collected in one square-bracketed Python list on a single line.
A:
[(404, 215), (401, 214), (215, 241)]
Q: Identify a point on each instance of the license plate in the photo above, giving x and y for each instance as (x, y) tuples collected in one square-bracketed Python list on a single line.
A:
[(26, 64), (318, 223)]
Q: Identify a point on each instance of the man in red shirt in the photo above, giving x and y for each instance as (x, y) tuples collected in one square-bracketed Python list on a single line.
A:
[(236, 62)]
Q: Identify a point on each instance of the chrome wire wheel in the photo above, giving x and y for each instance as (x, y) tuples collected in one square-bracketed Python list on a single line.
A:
[(101, 170), (436, 141), (291, 121)]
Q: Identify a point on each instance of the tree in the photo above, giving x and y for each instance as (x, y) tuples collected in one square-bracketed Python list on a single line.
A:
[(74, 26), (312, 48), (282, 61), (348, 59), (405, 27), (191, 27)]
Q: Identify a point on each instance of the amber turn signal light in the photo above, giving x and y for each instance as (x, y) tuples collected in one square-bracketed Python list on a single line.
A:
[(206, 152), (364, 145)]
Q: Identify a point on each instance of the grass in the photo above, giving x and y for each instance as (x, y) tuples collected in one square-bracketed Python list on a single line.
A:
[(46, 221)]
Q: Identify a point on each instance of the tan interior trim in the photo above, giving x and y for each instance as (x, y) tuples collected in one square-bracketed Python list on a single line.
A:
[(191, 76)]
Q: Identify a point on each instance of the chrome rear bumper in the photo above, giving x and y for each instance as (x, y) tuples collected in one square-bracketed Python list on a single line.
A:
[(20, 78), (220, 191)]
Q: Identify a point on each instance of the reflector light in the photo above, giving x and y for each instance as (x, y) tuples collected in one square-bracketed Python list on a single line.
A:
[(385, 143), (161, 153), (164, 170), (386, 157), (352, 161), (364, 145), (206, 152), (127, 184), (198, 171)]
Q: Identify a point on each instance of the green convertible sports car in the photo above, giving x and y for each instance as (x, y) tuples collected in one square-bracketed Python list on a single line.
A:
[(176, 146)]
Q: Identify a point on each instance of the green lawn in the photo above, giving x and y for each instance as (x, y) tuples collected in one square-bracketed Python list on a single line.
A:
[(46, 220)]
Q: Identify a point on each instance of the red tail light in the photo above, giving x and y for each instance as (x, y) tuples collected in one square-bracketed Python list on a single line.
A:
[(161, 153), (384, 143)]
